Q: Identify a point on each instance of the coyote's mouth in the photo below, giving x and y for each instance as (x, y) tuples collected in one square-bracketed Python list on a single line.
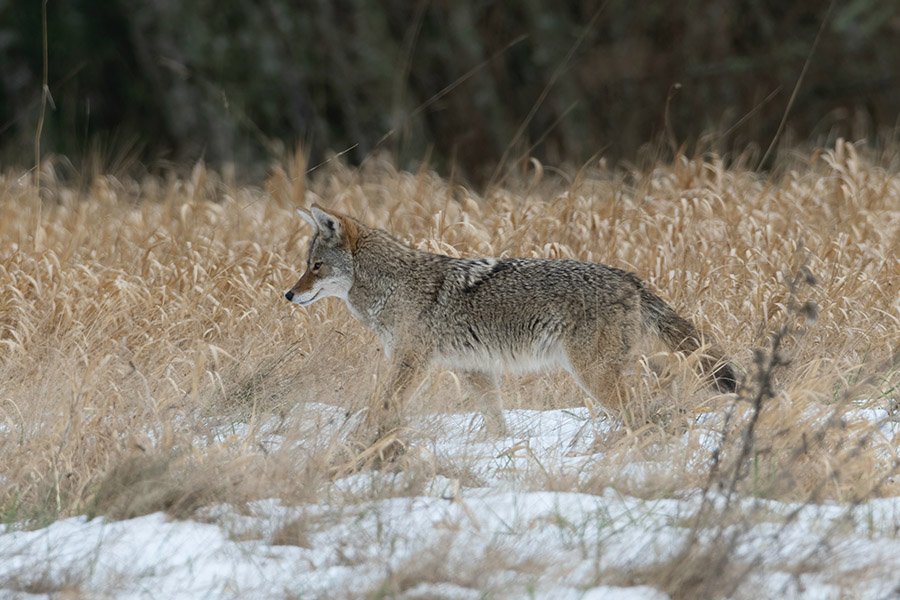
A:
[(310, 301)]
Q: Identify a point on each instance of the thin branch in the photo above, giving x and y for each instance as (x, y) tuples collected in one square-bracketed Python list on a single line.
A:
[(544, 93), (45, 93), (793, 97)]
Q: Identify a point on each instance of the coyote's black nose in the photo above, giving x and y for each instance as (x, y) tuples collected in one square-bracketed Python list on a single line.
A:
[(289, 295)]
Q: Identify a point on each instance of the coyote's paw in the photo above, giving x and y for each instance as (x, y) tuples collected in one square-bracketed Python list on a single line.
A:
[(494, 428), (373, 451)]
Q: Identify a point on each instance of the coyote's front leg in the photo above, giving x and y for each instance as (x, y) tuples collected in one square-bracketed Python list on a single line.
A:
[(386, 409), (377, 438), (487, 396)]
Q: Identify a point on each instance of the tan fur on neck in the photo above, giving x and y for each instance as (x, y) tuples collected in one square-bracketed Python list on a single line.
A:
[(351, 232)]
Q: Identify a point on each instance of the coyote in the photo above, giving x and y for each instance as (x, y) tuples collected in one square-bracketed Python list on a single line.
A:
[(483, 316)]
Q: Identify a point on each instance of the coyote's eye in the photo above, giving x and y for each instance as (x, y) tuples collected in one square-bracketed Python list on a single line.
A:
[(317, 266)]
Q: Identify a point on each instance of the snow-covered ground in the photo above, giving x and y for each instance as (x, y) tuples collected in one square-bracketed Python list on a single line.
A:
[(496, 529)]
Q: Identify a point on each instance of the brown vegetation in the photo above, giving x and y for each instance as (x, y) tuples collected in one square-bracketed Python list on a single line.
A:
[(149, 362)]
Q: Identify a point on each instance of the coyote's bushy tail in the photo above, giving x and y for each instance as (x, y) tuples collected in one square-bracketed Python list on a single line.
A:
[(680, 335)]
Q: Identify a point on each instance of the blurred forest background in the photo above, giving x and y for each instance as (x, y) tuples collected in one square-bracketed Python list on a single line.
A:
[(465, 85)]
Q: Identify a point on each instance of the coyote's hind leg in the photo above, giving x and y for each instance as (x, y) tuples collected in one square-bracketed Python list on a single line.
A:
[(596, 362)]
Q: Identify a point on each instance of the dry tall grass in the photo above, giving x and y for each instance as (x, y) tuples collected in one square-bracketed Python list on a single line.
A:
[(140, 320)]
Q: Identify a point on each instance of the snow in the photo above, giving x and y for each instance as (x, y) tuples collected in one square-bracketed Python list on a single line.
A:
[(498, 536)]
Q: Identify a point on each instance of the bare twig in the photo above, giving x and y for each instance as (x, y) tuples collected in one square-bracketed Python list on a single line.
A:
[(45, 96), (793, 97)]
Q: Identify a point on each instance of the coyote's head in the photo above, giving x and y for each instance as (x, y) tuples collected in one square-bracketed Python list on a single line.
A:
[(329, 264)]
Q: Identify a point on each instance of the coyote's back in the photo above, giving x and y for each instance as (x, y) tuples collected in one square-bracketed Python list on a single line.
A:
[(486, 316)]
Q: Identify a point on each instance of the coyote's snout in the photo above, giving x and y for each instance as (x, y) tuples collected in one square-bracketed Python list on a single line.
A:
[(329, 264), (485, 316)]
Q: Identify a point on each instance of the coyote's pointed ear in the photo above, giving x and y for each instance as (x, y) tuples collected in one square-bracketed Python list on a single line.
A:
[(307, 217), (330, 226)]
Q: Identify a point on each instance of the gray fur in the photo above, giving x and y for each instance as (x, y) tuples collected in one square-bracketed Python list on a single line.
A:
[(486, 316)]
